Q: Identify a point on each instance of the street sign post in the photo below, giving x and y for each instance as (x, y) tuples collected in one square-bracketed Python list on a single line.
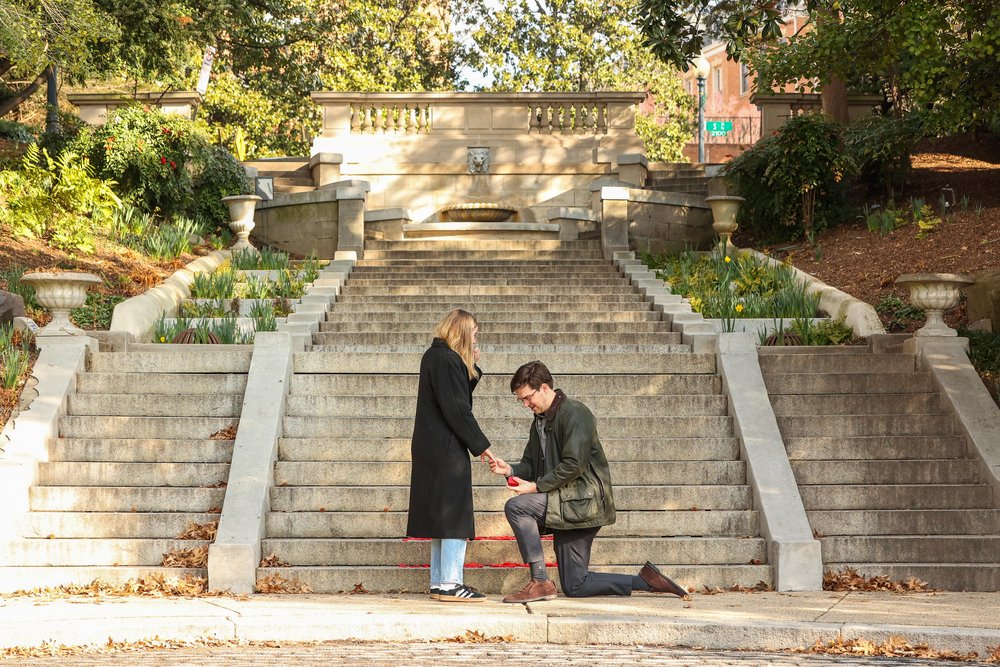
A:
[(719, 128)]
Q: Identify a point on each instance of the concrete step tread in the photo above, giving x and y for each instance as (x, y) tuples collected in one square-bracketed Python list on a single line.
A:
[(140, 450), (946, 576), (828, 523), (126, 499)]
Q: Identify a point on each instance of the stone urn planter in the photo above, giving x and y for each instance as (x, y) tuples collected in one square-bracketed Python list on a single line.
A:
[(241, 209), (60, 293), (724, 210), (935, 293)]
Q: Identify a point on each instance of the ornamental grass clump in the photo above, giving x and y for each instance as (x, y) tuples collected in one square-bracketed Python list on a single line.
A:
[(727, 287)]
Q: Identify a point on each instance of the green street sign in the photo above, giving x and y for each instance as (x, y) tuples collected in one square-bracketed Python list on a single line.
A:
[(719, 128)]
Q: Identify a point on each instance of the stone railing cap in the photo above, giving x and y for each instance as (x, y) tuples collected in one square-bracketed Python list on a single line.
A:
[(633, 158), (325, 158), (571, 213), (484, 97), (380, 214), (347, 183)]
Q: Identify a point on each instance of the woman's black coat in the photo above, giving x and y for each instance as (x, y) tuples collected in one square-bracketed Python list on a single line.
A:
[(444, 434)]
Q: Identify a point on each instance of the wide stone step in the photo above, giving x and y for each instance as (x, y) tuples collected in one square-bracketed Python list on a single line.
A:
[(491, 352), (393, 524), (82, 552), (142, 427), (490, 244), (482, 279), (849, 425), (18, 578), (113, 524), (426, 327), (487, 406), (490, 255), (863, 404), (432, 265), (372, 473), (85, 473), (376, 500), (156, 405), (895, 496), (352, 292), (150, 450), (845, 383), (905, 522), (499, 385), (493, 305), (928, 471), (497, 580), (508, 339), (559, 363), (345, 427), (838, 363), (616, 449), (943, 576), (912, 549), (388, 319), (606, 551), (161, 383), (191, 359), (875, 447), (126, 499)]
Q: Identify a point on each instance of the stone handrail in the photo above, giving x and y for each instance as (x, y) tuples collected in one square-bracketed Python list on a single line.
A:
[(422, 113)]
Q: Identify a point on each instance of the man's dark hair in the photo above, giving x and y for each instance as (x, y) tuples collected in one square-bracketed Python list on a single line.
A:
[(534, 374)]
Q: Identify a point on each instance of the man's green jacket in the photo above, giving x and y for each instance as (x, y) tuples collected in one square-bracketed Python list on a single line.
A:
[(572, 471)]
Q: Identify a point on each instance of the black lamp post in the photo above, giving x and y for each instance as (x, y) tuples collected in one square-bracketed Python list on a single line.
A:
[(702, 68)]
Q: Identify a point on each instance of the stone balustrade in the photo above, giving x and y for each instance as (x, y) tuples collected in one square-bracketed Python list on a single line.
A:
[(777, 108), (95, 107), (542, 150)]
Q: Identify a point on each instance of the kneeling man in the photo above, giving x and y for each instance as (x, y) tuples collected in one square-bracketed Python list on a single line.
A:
[(563, 485)]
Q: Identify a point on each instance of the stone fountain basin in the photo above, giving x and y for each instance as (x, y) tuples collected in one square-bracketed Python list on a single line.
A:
[(478, 212)]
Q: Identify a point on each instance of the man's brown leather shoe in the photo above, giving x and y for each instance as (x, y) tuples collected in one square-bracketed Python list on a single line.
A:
[(535, 591), (659, 582)]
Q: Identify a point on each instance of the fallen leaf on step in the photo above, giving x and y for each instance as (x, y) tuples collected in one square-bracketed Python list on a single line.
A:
[(187, 557), (850, 580), (275, 583), (477, 637), (272, 560), (359, 590), (228, 433), (893, 647), (199, 531)]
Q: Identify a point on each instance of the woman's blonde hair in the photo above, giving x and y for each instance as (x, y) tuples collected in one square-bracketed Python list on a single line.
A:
[(455, 329)]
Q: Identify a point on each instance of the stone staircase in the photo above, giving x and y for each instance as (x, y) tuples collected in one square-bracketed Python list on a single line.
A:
[(885, 479), (133, 467), (678, 177), (338, 508)]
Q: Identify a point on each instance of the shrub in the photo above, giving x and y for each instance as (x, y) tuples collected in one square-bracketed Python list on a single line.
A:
[(14, 131), (793, 182), (58, 199), (164, 164), (881, 147)]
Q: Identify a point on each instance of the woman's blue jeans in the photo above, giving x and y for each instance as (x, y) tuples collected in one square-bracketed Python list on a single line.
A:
[(447, 562)]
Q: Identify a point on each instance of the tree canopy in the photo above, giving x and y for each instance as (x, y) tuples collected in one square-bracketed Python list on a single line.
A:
[(935, 57)]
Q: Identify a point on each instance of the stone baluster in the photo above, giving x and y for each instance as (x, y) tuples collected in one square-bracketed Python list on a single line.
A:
[(534, 118), (602, 118), (588, 118), (392, 112), (379, 120), (421, 119), (404, 118), (366, 121), (356, 118)]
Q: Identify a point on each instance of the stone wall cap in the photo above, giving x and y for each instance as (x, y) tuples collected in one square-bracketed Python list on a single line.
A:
[(672, 198), (347, 183), (615, 193), (609, 181), (351, 193), (380, 214), (633, 158), (325, 158), (572, 213), (154, 97), (321, 96)]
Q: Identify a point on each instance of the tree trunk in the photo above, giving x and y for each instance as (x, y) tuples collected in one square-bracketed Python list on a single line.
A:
[(834, 99), (22, 95)]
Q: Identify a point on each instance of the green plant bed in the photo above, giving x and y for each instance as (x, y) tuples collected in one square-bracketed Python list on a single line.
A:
[(984, 353), (741, 292)]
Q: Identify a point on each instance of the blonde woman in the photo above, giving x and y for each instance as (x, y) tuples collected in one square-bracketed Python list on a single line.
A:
[(445, 433)]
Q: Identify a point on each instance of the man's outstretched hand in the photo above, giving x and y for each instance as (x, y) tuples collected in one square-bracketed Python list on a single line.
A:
[(497, 465)]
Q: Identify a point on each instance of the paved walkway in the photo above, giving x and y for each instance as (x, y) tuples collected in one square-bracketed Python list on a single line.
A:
[(751, 621), (414, 654)]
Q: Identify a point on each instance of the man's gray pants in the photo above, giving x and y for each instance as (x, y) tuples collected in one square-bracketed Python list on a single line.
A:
[(526, 515)]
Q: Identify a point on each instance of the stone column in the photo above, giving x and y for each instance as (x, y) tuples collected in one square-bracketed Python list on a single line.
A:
[(351, 224), (325, 168), (614, 220), (633, 168)]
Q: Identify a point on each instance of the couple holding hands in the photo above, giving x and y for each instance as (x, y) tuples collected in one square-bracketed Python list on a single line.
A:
[(562, 484)]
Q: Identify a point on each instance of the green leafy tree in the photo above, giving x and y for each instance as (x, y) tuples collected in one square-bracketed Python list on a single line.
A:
[(577, 45), (932, 56)]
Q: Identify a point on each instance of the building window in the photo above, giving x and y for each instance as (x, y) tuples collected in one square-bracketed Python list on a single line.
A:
[(718, 79), (744, 79)]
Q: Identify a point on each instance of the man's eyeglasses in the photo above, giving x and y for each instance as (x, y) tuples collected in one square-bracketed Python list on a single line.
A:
[(527, 397)]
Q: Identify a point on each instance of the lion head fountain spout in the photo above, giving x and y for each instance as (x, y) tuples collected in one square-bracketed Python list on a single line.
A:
[(481, 208)]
